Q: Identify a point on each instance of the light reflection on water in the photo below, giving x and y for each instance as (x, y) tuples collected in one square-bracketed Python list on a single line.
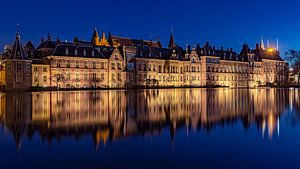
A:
[(112, 117)]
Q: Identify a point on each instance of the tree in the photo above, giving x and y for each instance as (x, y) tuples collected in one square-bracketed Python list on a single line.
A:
[(293, 57), (58, 78)]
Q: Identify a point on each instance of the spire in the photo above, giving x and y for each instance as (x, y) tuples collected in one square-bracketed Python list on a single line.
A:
[(245, 50), (95, 33), (262, 45), (95, 38), (49, 37), (103, 41), (110, 40), (18, 50), (159, 43), (171, 42), (277, 44)]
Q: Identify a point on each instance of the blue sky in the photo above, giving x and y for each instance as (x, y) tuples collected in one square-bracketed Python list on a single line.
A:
[(228, 23)]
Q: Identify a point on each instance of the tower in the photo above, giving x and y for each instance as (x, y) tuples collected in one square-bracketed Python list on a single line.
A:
[(262, 45), (95, 38), (103, 41), (18, 73)]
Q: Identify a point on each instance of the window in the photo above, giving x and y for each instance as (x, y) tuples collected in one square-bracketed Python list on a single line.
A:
[(35, 69), (35, 79), (116, 56), (94, 65), (113, 77), (85, 64), (85, 76), (113, 66), (44, 69), (68, 63), (76, 52), (119, 66), (77, 76), (102, 65), (102, 76), (77, 64), (45, 79), (119, 77), (84, 52), (67, 51), (93, 53), (19, 78), (19, 66), (28, 67), (8, 66), (94, 77), (68, 76)]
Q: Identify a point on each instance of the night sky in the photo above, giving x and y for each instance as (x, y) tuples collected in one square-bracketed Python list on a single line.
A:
[(228, 23)]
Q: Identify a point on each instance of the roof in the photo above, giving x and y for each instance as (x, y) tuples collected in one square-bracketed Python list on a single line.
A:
[(48, 44), (18, 51), (122, 41), (80, 50)]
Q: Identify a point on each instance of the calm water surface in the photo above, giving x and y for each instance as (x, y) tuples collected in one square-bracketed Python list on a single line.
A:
[(170, 128)]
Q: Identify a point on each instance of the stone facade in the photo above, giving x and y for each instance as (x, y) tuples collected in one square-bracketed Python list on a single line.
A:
[(119, 62)]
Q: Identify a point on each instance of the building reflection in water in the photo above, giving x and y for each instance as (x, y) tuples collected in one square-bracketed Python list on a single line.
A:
[(115, 114)]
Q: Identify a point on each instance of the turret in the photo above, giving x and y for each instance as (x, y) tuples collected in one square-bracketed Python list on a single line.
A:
[(103, 41), (95, 38), (18, 66)]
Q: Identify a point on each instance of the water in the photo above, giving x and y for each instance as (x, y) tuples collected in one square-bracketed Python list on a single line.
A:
[(167, 128)]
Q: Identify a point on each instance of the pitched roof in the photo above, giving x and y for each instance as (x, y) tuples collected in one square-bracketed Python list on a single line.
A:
[(18, 51), (122, 41), (29, 46), (81, 50), (48, 44)]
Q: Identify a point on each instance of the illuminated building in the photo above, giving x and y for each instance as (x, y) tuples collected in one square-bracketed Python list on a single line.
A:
[(117, 62)]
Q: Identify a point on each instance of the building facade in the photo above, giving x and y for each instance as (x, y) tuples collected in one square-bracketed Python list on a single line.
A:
[(118, 62)]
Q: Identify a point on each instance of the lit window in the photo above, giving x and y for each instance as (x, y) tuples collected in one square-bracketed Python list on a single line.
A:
[(68, 63), (19, 66), (8, 66), (113, 65), (102, 76), (102, 65), (45, 79)]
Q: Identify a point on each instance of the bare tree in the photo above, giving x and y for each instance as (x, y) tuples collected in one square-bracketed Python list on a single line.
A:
[(58, 78), (293, 57)]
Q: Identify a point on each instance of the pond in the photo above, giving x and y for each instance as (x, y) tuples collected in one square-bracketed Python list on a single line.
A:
[(154, 128)]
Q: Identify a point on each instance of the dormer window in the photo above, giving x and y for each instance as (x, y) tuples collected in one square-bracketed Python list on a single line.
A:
[(93, 53), (76, 52), (67, 51), (116, 56), (84, 52)]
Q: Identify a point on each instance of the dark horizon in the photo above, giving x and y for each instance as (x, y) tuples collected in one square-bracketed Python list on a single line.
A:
[(228, 24)]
